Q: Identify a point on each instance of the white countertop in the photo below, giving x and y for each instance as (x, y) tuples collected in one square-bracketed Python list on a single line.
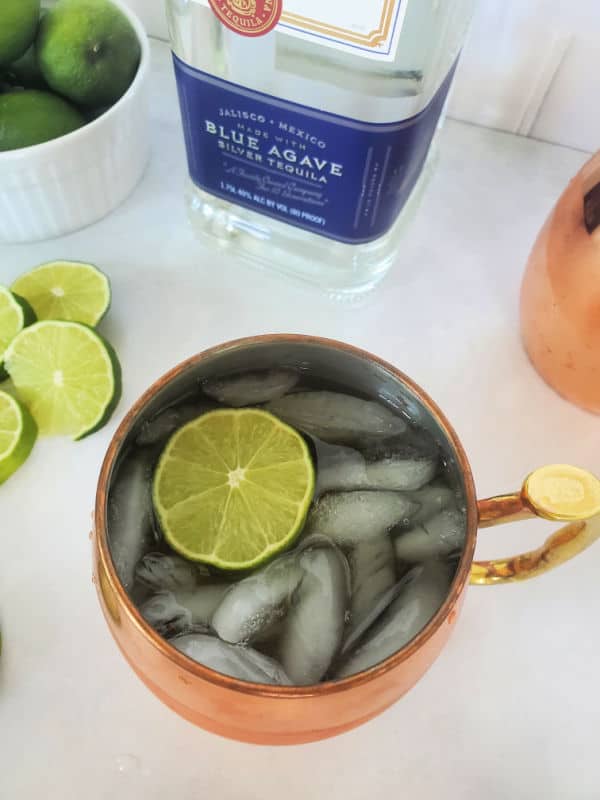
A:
[(511, 708)]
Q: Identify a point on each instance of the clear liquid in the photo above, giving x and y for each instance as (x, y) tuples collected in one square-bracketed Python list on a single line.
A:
[(340, 83), (360, 556)]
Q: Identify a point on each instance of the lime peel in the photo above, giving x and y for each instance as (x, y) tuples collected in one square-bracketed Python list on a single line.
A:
[(18, 433), (15, 314)]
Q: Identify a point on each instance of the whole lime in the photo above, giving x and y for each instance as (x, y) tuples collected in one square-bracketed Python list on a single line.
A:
[(26, 72), (18, 24), (88, 51), (32, 117)]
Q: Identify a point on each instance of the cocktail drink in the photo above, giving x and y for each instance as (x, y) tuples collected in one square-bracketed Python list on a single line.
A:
[(284, 529)]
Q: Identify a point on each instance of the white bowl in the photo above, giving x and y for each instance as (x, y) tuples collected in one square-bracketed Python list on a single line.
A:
[(59, 186)]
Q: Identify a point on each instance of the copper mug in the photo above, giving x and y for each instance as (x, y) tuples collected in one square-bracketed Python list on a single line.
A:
[(291, 715)]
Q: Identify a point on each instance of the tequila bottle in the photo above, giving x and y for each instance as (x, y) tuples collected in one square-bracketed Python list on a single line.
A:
[(309, 125)]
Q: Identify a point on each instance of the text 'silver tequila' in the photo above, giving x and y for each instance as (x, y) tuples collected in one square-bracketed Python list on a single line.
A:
[(308, 124)]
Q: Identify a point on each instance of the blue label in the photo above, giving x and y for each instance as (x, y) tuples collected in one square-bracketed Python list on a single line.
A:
[(331, 175)]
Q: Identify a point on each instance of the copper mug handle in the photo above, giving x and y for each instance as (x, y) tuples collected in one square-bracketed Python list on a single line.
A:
[(556, 492)]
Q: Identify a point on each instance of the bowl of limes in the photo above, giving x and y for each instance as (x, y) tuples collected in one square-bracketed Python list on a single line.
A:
[(73, 114)]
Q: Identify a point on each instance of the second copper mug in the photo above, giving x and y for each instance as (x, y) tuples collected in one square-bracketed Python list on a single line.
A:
[(291, 715)]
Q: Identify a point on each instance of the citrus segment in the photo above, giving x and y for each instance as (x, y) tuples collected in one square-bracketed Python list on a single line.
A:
[(233, 487), (66, 290), (67, 376), (18, 433)]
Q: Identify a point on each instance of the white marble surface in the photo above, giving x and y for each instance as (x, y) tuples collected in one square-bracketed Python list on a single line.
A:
[(511, 709)]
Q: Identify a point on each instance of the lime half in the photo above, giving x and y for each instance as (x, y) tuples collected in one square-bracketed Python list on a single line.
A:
[(18, 433), (66, 290), (15, 314), (67, 376), (233, 487)]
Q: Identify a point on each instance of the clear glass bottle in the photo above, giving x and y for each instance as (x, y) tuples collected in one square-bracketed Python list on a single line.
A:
[(307, 146)]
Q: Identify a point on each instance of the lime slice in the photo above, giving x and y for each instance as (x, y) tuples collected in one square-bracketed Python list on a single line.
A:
[(66, 290), (18, 433), (67, 375), (233, 487), (15, 314)]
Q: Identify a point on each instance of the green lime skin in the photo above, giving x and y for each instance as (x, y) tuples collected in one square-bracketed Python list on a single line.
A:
[(32, 117), (18, 24), (88, 51), (25, 72), (29, 316), (23, 449), (118, 390)]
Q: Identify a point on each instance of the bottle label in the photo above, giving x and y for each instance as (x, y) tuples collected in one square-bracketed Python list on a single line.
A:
[(370, 28), (339, 177)]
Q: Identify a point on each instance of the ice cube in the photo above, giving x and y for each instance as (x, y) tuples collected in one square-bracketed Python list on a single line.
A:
[(161, 427), (160, 571), (351, 517), (432, 499), (409, 613), (400, 473), (412, 443), (315, 622), (336, 418), (342, 468), (339, 468), (404, 463), (251, 388), (257, 601), (130, 529), (202, 602), (379, 606), (237, 661), (373, 570), (438, 537), (165, 615), (179, 610)]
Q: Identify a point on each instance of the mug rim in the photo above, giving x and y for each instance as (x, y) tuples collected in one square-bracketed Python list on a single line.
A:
[(202, 672)]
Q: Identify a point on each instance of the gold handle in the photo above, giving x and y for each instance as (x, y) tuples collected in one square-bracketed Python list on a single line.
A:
[(556, 492)]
